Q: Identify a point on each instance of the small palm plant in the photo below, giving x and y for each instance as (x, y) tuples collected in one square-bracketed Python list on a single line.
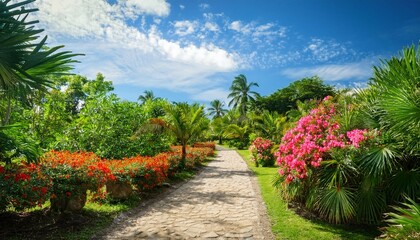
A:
[(405, 223)]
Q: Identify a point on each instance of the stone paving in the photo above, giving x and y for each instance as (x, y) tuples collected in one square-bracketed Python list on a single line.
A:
[(222, 202)]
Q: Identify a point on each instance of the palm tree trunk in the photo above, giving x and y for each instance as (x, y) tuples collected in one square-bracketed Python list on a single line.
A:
[(220, 140), (183, 156)]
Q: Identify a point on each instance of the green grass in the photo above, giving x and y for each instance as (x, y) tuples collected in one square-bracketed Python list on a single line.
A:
[(286, 224)]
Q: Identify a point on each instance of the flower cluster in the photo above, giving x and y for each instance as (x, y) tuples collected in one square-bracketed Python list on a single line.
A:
[(195, 155), (313, 138), (62, 175), (261, 152), (211, 145), (74, 173), (23, 186)]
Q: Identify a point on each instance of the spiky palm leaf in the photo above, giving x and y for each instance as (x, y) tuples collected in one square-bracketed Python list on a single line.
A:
[(24, 63), (216, 110), (337, 205), (241, 93), (405, 222)]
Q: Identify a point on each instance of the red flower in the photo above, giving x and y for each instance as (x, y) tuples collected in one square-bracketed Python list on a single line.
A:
[(68, 194)]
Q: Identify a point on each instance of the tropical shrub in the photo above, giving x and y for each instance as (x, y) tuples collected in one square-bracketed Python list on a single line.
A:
[(405, 223), (319, 163), (261, 152), (23, 186), (211, 145), (74, 173)]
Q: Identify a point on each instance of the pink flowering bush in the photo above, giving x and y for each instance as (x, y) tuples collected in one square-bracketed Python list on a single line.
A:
[(312, 140), (261, 152)]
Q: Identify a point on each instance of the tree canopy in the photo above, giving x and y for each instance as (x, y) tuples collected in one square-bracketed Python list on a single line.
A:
[(286, 99)]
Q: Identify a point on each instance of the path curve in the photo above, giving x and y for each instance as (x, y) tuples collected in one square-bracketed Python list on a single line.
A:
[(222, 202)]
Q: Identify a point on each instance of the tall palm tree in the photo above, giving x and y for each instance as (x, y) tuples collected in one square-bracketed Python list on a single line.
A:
[(148, 95), (185, 122), (216, 110), (24, 63), (241, 94)]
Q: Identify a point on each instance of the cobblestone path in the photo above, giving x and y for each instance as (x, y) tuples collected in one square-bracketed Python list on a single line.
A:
[(222, 202)]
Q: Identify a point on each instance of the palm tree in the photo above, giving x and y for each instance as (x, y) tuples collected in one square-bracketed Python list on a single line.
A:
[(185, 122), (148, 95), (218, 128), (216, 110), (241, 94), (25, 63), (271, 125)]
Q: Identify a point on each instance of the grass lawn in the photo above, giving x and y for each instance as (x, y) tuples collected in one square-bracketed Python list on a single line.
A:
[(286, 224)]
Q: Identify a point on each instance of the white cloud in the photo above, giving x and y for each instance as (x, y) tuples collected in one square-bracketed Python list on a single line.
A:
[(129, 55), (182, 7), (322, 50), (211, 27), (361, 70), (134, 8), (204, 6), (212, 94), (240, 27), (183, 28)]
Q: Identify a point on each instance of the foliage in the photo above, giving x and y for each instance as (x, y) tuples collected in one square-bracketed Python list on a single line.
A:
[(148, 96), (107, 127), (284, 100), (239, 134), (241, 94), (144, 172), (216, 110), (270, 125), (24, 67), (15, 145), (291, 221), (23, 62), (23, 186), (261, 152), (185, 122), (314, 137), (211, 145), (405, 222), (74, 173)]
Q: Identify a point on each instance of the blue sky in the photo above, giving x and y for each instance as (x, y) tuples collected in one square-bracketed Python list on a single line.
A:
[(190, 50)]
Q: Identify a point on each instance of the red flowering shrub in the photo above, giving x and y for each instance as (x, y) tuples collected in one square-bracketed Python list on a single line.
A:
[(74, 173), (314, 137), (211, 145), (23, 186), (144, 172), (261, 152), (195, 156)]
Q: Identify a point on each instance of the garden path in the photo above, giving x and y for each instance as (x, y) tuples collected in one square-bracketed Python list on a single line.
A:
[(222, 202)]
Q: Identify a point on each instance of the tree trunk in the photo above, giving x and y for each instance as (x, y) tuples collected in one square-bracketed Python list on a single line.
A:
[(220, 140), (183, 156)]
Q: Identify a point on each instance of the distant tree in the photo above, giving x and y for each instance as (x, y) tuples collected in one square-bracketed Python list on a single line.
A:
[(216, 110), (241, 94), (148, 95), (284, 100)]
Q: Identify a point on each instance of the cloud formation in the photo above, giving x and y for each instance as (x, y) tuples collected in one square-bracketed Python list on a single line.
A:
[(360, 71)]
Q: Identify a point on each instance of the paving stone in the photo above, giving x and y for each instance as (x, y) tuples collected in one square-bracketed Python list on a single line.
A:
[(210, 235), (219, 203)]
